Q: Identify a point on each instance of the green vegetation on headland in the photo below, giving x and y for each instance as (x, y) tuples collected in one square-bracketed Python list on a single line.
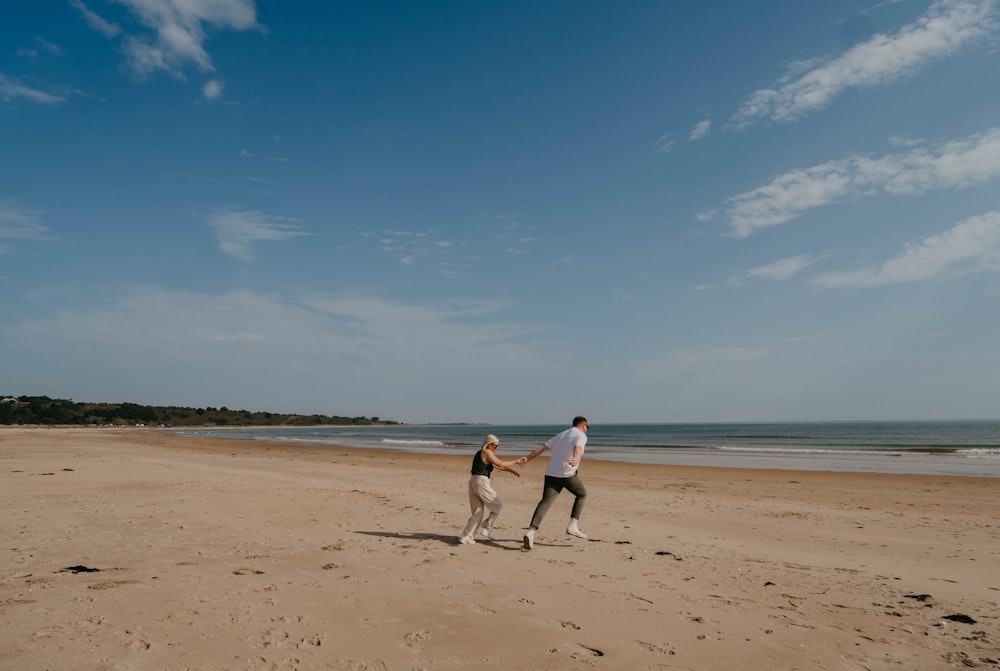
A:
[(49, 411)]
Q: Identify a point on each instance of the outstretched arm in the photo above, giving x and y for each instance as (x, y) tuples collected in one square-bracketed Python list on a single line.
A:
[(501, 464), (538, 450)]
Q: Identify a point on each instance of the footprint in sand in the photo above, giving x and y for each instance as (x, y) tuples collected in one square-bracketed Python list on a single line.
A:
[(586, 655), (314, 641), (361, 665), (111, 584), (421, 635), (240, 615), (660, 649), (261, 664), (271, 638)]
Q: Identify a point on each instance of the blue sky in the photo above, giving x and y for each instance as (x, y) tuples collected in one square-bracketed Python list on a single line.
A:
[(504, 211)]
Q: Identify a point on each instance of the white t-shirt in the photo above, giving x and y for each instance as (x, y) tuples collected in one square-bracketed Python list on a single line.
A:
[(562, 451)]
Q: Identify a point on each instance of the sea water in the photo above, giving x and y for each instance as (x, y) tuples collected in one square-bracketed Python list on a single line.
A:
[(925, 447)]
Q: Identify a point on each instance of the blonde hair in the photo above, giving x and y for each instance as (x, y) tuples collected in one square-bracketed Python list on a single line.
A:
[(489, 440)]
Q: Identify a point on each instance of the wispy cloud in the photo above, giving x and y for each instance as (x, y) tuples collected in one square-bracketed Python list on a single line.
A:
[(11, 90), (946, 28), (106, 28), (425, 326), (412, 247), (665, 144), (782, 269), (955, 164), (351, 351), (701, 130), (177, 31), (516, 236), (970, 246), (238, 231), (17, 224), (41, 44)]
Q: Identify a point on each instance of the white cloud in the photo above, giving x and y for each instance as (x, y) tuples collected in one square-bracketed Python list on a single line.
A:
[(664, 144), (19, 224), (702, 129), (212, 90), (951, 165), (782, 269), (106, 28), (903, 141), (237, 231), (177, 31), (12, 90), (947, 27), (970, 246)]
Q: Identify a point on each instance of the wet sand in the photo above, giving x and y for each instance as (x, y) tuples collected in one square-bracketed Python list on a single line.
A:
[(142, 550)]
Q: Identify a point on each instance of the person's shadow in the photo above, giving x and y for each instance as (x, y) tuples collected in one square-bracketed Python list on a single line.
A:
[(502, 544)]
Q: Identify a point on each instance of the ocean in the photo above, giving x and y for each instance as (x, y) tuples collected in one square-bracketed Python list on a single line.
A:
[(970, 448)]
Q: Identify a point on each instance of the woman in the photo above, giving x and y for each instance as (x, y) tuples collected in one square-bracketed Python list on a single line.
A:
[(482, 497)]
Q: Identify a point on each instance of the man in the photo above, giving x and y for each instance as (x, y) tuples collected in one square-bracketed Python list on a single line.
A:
[(567, 452)]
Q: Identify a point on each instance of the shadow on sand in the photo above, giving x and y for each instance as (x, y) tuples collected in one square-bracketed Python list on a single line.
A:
[(511, 544)]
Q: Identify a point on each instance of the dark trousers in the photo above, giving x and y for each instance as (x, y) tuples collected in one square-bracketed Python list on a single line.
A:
[(553, 486)]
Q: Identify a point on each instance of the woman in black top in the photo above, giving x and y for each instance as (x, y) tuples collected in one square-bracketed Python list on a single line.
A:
[(482, 497)]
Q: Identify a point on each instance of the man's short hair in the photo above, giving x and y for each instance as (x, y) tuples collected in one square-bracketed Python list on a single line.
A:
[(580, 419)]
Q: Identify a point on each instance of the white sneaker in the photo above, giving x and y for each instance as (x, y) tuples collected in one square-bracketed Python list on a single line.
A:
[(489, 534), (529, 539), (574, 530), (467, 540)]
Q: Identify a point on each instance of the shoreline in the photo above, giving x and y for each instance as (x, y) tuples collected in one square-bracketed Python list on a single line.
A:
[(230, 554), (914, 462)]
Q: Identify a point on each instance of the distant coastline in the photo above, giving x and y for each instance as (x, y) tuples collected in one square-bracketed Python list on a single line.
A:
[(46, 411)]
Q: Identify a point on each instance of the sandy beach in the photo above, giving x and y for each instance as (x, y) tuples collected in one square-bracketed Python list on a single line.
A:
[(131, 550)]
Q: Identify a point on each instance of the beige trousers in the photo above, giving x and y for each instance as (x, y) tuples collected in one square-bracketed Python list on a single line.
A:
[(482, 499)]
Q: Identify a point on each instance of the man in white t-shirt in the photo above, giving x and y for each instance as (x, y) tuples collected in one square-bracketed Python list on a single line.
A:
[(567, 452)]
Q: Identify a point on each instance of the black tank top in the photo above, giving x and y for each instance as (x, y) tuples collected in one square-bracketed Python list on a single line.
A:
[(480, 468)]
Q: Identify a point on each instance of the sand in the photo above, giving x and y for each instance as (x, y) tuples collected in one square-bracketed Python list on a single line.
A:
[(142, 550)]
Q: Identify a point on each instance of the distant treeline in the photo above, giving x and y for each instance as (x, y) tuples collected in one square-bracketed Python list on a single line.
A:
[(52, 411)]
